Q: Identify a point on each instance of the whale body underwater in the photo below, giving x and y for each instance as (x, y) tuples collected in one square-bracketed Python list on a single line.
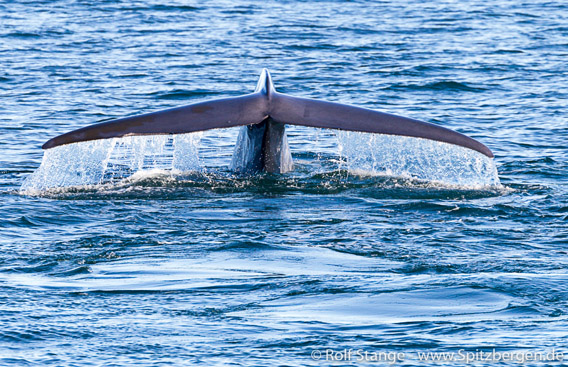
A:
[(262, 143)]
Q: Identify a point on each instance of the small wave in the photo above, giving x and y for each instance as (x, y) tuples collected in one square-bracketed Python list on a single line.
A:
[(451, 86), (248, 246), (23, 35), (508, 51), (42, 267), (162, 7), (240, 11), (80, 270), (180, 94)]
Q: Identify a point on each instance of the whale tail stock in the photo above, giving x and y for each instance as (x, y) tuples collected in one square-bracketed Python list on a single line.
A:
[(263, 114)]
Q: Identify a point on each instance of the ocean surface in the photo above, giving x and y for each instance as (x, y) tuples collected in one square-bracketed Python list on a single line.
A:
[(150, 251)]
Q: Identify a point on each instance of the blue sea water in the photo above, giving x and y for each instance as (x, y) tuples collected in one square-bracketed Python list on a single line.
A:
[(200, 267)]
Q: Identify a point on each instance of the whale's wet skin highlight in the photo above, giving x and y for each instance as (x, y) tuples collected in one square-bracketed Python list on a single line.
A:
[(167, 257)]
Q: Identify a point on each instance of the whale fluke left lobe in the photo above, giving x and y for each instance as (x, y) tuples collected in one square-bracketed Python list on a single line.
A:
[(222, 113)]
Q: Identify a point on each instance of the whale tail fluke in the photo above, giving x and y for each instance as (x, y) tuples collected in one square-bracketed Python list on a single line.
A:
[(265, 103)]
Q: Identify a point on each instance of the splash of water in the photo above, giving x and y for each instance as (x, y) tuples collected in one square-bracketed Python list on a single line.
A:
[(113, 160), (415, 158), (105, 161)]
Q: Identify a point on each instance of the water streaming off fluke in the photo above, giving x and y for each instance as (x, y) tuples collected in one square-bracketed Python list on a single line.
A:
[(105, 161), (416, 158), (109, 161)]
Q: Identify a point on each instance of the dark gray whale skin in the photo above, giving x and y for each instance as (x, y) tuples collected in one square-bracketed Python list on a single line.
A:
[(262, 144), (262, 147)]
